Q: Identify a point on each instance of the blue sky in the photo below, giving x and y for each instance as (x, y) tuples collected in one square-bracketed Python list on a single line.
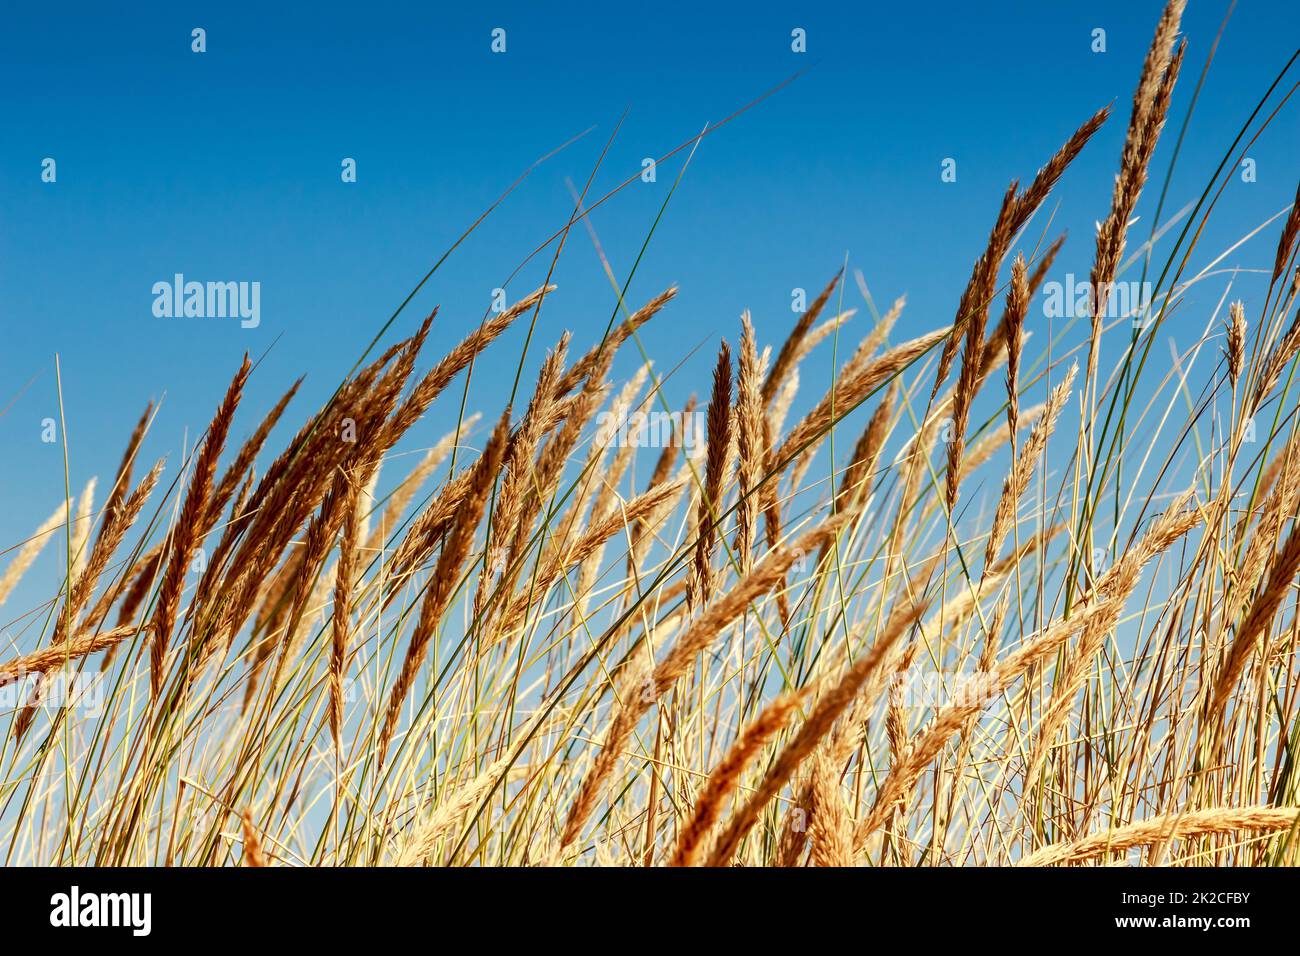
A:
[(225, 165)]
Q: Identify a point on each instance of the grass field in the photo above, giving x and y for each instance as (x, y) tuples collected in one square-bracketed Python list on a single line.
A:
[(1013, 590)]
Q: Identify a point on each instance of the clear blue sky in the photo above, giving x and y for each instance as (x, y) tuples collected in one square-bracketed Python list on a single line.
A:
[(226, 166)]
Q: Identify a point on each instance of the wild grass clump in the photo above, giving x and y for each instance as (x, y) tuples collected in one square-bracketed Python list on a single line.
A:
[(996, 596)]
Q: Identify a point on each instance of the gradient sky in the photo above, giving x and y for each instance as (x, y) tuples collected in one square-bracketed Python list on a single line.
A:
[(225, 166)]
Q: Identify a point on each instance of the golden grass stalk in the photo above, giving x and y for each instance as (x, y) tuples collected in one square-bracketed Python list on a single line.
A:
[(1014, 319), (440, 376), (1023, 469), (1104, 604), (1236, 339), (830, 824), (83, 584), (403, 494), (863, 678), (187, 533), (694, 638), (423, 842), (455, 551), (28, 552), (1252, 632), (341, 624), (724, 779), (590, 363), (699, 585), (851, 391), (1286, 240), (1173, 826), (81, 528), (1150, 106), (750, 446), (787, 358), (254, 855), (46, 659)]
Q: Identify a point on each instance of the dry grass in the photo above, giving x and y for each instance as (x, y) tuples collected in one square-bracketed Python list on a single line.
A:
[(958, 643)]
